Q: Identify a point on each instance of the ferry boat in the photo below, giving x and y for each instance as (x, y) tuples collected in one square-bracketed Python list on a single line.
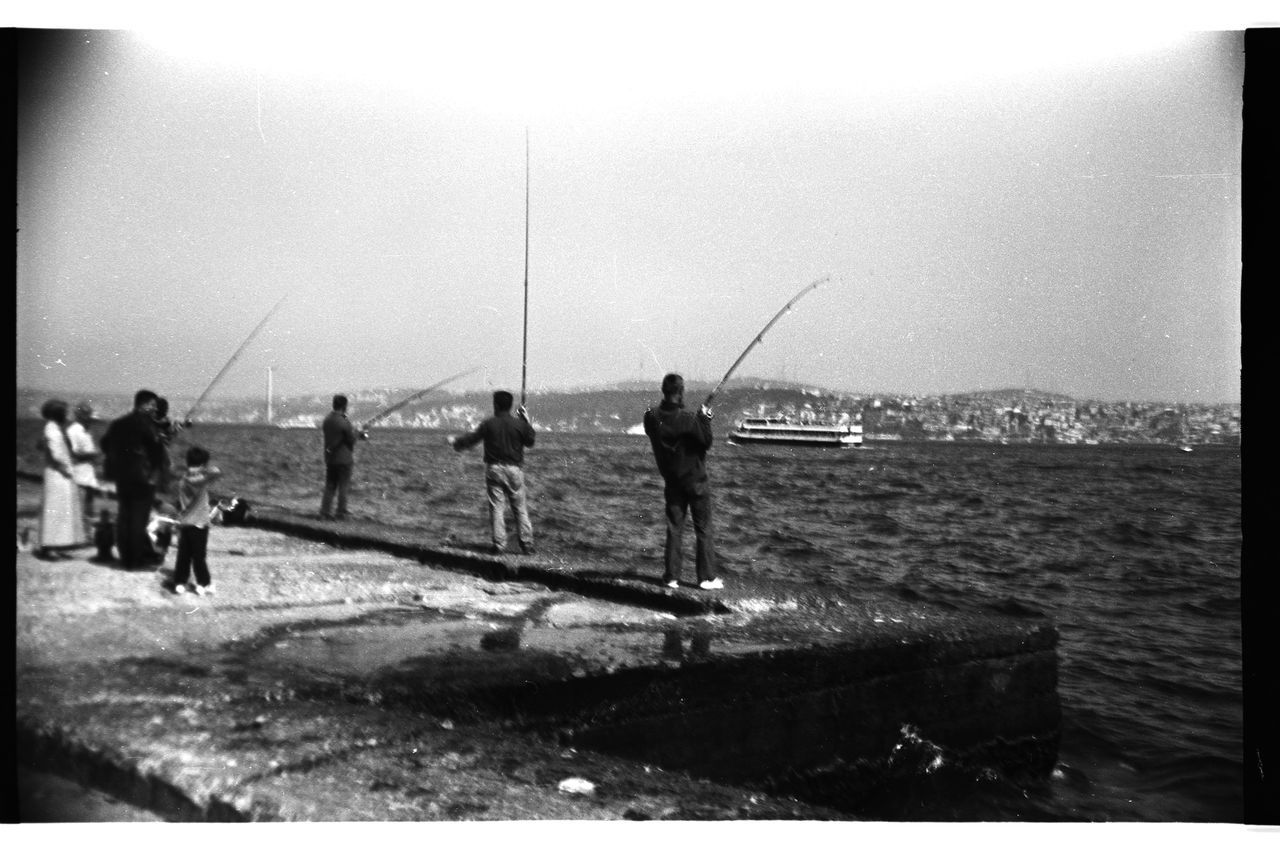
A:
[(781, 431), (298, 424)]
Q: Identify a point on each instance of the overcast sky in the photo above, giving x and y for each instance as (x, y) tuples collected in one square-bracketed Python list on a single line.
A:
[(1056, 205)]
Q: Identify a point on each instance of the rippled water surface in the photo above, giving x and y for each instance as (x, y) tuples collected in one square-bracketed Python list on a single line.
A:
[(1133, 551)]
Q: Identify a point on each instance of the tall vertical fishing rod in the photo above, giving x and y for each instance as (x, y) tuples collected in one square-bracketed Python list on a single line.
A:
[(760, 335), (524, 356), (234, 357)]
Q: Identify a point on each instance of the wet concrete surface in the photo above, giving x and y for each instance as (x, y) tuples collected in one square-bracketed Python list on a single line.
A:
[(386, 680), (193, 708), (46, 798)]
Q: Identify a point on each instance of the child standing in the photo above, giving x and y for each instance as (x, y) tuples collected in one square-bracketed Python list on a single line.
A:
[(193, 522)]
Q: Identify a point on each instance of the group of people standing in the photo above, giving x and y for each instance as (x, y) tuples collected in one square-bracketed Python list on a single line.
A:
[(69, 479), (505, 436), (137, 467), (135, 450), (679, 438)]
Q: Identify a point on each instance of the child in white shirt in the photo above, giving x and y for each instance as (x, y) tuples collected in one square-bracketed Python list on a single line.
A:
[(193, 522)]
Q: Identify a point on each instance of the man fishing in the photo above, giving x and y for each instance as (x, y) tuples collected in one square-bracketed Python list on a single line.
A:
[(505, 437), (339, 456), (680, 441), (134, 457)]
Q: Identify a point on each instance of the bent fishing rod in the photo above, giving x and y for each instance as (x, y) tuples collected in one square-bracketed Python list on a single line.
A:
[(234, 357), (760, 336), (398, 405)]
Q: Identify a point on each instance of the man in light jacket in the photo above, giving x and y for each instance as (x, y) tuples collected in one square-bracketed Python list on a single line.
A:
[(505, 437)]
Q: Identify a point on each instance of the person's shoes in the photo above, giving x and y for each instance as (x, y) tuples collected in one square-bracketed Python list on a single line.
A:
[(711, 584), (497, 551), (527, 550), (341, 516), (324, 516), (673, 584), (180, 588), (204, 590)]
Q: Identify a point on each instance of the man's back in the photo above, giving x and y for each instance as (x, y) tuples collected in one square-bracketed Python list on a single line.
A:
[(505, 438), (339, 439), (680, 440), (132, 449)]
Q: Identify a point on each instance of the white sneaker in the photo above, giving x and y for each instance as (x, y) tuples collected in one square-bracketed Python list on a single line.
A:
[(180, 589), (204, 590), (711, 584), (673, 584)]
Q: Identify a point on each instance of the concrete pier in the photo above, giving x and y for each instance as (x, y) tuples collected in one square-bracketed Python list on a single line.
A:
[(357, 672)]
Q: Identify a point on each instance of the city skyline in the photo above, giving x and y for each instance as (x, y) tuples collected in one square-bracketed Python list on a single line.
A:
[(1063, 212)]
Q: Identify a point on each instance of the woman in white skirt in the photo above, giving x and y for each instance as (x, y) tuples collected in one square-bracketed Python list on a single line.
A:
[(61, 505)]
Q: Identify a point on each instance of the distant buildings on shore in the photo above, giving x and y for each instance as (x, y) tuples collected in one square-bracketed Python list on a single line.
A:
[(1009, 416), (1039, 417)]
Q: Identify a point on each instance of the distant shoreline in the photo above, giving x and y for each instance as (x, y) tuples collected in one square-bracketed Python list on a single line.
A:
[(871, 439), (1009, 415)]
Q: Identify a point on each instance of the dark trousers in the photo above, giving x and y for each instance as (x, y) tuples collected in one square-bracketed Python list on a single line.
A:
[(680, 502), (193, 544), (133, 511), (337, 480)]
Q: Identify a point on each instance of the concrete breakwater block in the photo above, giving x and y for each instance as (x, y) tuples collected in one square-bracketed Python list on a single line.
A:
[(831, 717), (801, 692), (766, 685), (824, 706), (336, 682), (191, 745)]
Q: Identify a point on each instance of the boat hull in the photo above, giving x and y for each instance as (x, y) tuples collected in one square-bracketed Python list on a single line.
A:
[(792, 441)]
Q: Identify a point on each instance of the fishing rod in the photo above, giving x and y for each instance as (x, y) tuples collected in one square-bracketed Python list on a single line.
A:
[(524, 356), (411, 398), (760, 336), (234, 357)]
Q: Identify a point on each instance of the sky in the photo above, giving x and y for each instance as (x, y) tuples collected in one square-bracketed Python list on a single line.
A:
[(1049, 203)]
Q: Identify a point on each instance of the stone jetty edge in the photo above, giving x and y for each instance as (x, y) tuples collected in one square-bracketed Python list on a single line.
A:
[(401, 543)]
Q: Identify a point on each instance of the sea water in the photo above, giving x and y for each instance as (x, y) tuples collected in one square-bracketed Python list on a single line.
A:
[(1133, 551)]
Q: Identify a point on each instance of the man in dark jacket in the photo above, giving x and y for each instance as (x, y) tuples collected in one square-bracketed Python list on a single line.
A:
[(680, 441), (133, 457), (339, 456), (505, 437)]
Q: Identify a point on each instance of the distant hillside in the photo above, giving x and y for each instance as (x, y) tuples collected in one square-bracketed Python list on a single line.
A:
[(995, 415), (592, 409), (1013, 397), (598, 410)]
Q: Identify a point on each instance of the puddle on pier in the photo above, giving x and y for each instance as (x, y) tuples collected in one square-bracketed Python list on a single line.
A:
[(546, 641)]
